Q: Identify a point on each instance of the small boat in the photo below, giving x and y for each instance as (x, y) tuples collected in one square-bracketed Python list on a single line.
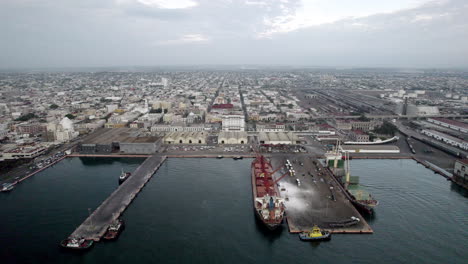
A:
[(219, 157), (6, 187), (316, 235), (124, 176), (114, 229), (76, 243), (238, 158)]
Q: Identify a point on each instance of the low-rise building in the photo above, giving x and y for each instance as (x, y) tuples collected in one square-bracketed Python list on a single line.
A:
[(23, 152), (232, 137), (185, 138), (278, 138), (140, 145), (358, 136), (279, 127)]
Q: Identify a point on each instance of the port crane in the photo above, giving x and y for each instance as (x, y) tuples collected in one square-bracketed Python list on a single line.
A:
[(268, 185)]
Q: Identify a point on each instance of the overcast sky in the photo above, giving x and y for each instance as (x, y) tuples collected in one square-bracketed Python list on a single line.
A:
[(369, 33)]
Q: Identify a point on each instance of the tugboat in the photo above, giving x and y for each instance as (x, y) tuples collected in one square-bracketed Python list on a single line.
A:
[(76, 243), (124, 176), (316, 235), (7, 187), (114, 229)]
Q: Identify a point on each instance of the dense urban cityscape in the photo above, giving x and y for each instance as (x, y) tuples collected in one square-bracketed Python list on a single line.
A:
[(144, 112), (233, 131)]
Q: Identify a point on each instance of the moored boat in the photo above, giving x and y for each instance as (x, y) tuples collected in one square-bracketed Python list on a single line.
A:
[(6, 187), (78, 243), (114, 229), (219, 157), (268, 205), (123, 176), (316, 234), (238, 158), (355, 192)]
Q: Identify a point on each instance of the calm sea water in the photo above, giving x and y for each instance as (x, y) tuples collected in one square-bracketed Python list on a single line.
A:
[(200, 211)]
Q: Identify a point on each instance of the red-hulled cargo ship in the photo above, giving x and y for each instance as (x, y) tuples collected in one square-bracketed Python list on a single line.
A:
[(268, 205)]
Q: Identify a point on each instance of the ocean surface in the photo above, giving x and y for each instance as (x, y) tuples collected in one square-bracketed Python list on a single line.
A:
[(200, 211)]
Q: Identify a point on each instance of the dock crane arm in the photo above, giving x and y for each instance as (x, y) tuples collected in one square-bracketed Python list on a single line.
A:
[(279, 168), (279, 179)]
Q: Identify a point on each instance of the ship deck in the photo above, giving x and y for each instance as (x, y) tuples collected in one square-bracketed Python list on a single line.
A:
[(96, 224), (312, 202)]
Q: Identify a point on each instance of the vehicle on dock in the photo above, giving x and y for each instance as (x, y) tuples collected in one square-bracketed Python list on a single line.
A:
[(114, 229), (78, 243), (124, 176), (268, 204), (316, 234), (238, 158), (6, 187)]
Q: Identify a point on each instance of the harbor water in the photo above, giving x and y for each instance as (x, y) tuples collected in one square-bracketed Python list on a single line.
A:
[(200, 211)]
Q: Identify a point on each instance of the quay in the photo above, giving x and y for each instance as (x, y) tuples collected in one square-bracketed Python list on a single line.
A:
[(94, 227), (41, 169), (317, 200)]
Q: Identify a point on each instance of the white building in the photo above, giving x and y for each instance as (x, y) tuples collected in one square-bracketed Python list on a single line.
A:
[(278, 138), (233, 123)]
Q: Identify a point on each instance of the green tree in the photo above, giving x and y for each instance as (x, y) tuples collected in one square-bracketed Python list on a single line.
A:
[(26, 117), (386, 128), (363, 118), (53, 106), (70, 116)]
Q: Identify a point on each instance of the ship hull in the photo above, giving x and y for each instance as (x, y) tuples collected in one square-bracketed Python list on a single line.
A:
[(86, 245), (269, 225), (365, 208)]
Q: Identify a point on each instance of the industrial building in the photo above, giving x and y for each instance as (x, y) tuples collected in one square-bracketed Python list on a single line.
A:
[(278, 138), (140, 145), (185, 138), (374, 149), (232, 138), (126, 140)]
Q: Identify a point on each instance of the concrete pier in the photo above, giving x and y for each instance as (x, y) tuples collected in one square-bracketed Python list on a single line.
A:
[(310, 201), (97, 223)]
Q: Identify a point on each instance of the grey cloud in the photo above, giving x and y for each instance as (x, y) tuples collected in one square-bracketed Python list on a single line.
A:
[(102, 33)]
